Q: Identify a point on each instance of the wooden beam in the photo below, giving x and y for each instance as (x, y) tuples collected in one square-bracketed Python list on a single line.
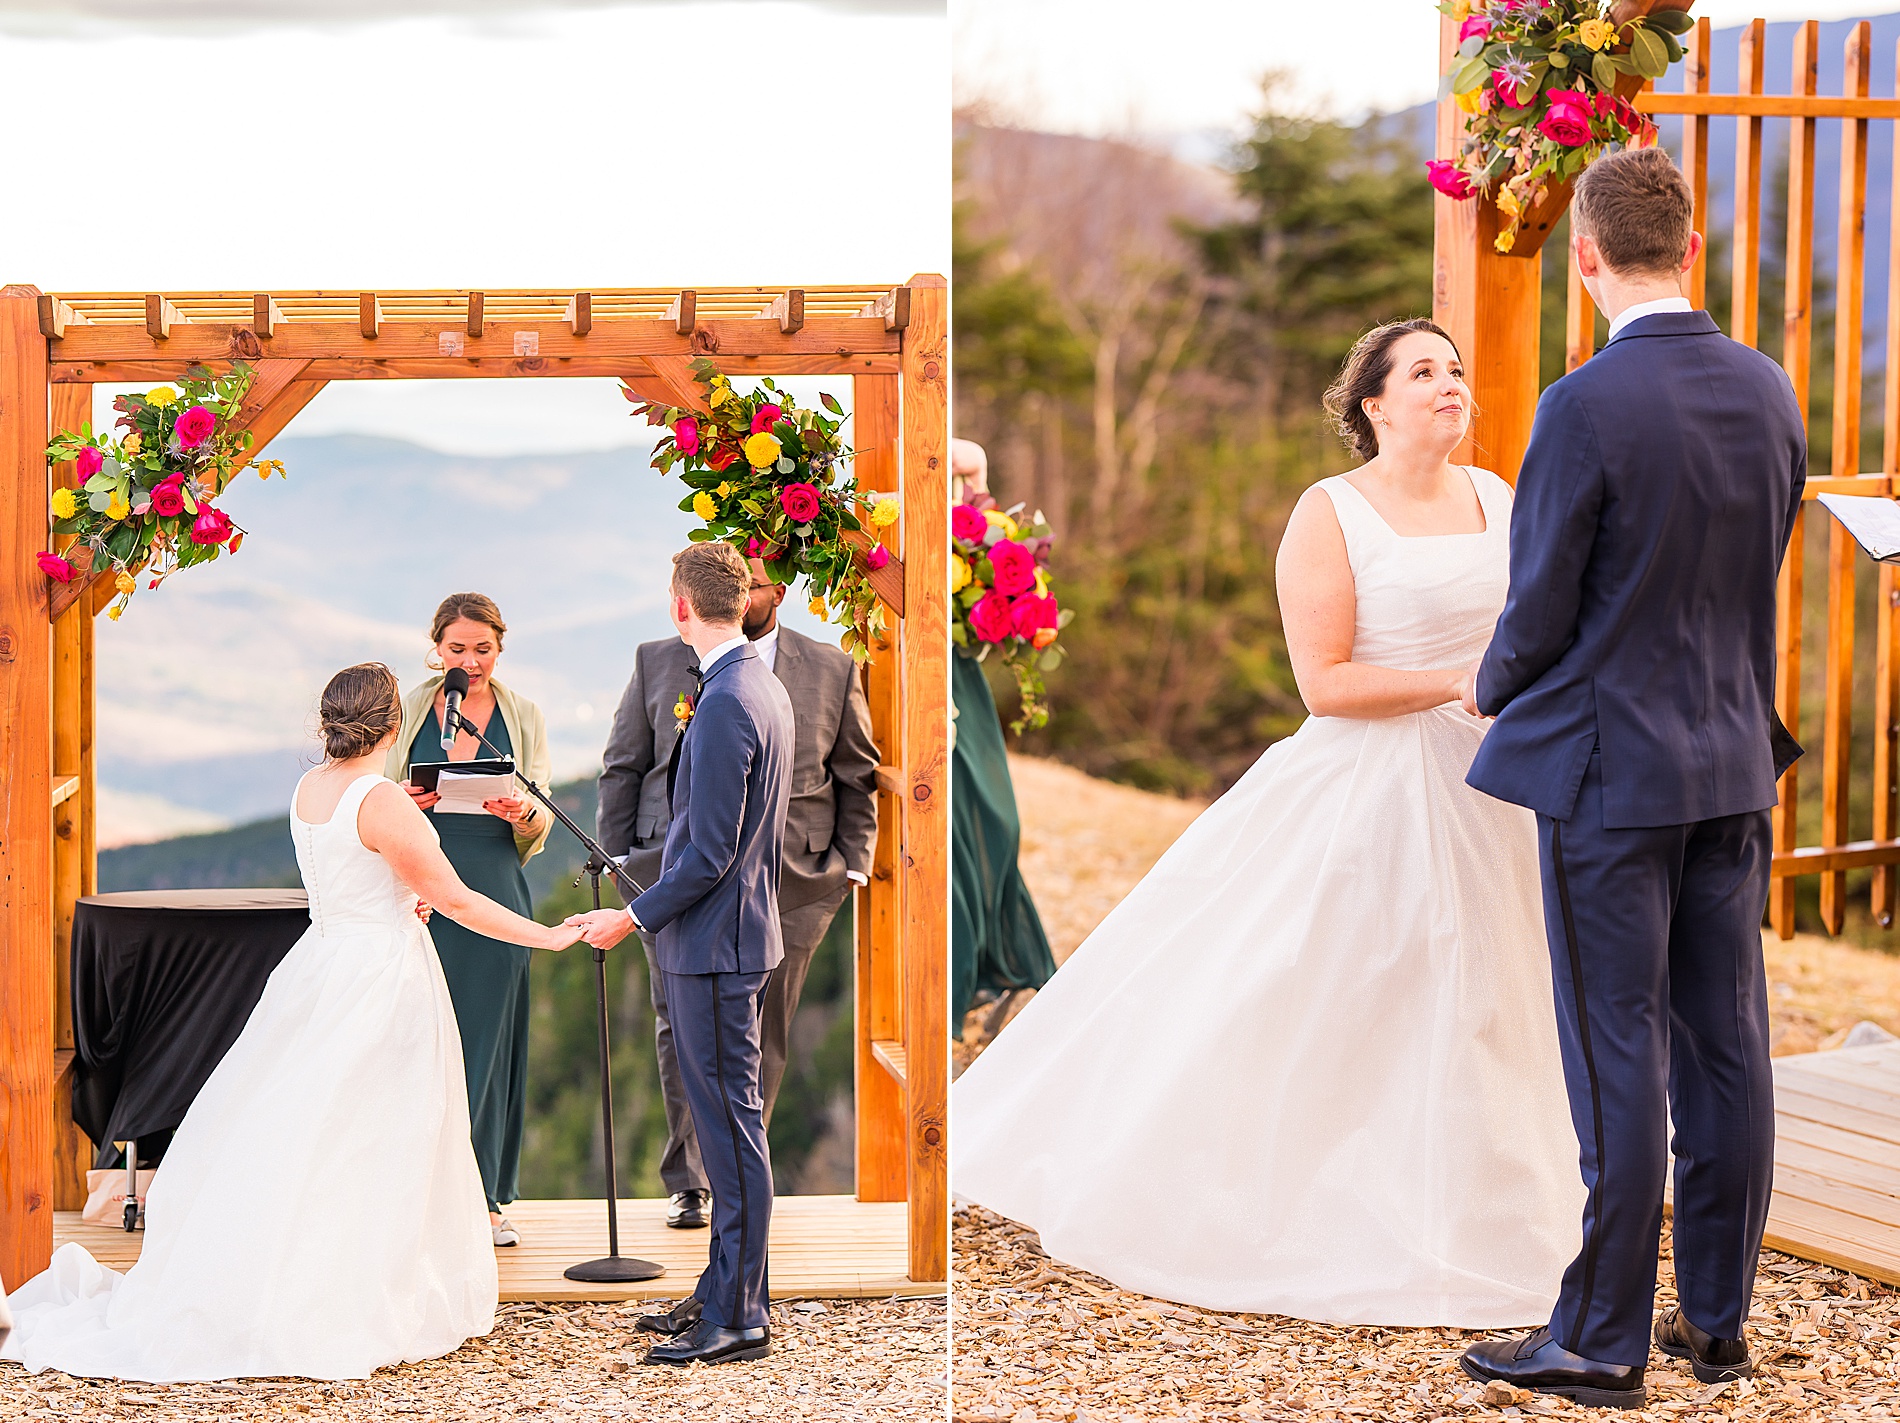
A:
[(893, 309), (497, 367), (890, 1055), (473, 324), (160, 317), (1769, 106), (674, 375), (1745, 273), (1834, 859), (924, 670), (788, 310), (26, 810), (887, 582), (56, 316), (369, 315), (684, 312), (580, 313), (889, 780), (266, 316), (1695, 162), (71, 803)]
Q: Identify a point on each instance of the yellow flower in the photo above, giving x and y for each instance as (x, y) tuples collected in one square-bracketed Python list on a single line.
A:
[(725, 489), (1460, 12), (999, 520), (884, 513), (720, 395), (1510, 204), (162, 396), (1470, 101), (133, 442), (704, 506), (817, 607), (118, 508), (114, 611), (1597, 34), (65, 503), (762, 449), (959, 574), (125, 582)]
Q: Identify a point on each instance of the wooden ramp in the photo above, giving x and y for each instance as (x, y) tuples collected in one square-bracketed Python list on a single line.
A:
[(1837, 1160), (823, 1246)]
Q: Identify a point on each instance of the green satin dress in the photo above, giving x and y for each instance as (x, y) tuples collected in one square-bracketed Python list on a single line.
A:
[(488, 979), (997, 941)]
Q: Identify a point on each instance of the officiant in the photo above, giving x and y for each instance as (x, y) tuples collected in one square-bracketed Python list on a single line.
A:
[(830, 832), (488, 979)]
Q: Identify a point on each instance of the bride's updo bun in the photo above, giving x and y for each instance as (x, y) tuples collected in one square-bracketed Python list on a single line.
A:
[(1363, 377), (360, 706)]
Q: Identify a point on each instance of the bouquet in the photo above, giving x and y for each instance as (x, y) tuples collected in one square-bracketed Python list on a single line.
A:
[(1000, 600), (144, 501), (766, 477), (1537, 80)]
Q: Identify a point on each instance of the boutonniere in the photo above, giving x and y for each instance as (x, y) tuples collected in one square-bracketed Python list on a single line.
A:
[(682, 712)]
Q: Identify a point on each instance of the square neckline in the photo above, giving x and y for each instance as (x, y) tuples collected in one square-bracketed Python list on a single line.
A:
[(1476, 493)]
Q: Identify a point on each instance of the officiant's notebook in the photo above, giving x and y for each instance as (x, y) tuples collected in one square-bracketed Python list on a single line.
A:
[(464, 785), (1874, 523)]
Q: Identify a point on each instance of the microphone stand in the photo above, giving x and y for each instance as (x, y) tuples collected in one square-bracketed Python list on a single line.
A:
[(613, 1268)]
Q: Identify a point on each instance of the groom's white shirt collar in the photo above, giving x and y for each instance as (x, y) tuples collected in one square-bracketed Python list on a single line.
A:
[(732, 644), (1647, 308)]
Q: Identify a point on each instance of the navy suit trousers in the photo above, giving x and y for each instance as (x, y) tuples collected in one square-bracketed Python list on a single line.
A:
[(1662, 1009), (715, 1019)]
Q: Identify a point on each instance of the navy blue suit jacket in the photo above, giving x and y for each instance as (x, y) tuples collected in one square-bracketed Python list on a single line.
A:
[(714, 908), (1652, 512)]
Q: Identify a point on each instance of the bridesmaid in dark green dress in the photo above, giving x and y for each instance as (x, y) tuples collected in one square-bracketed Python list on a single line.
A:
[(488, 979)]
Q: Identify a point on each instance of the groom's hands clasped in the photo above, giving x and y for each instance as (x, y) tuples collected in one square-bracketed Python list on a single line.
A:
[(602, 928)]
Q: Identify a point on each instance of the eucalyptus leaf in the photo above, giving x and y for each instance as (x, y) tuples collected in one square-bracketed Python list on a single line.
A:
[(1472, 47), (1469, 75), (785, 465), (100, 481), (98, 499), (1559, 60), (1049, 660)]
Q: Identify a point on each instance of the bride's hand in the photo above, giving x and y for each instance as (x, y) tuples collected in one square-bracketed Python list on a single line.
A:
[(424, 909), (1468, 691), (559, 936)]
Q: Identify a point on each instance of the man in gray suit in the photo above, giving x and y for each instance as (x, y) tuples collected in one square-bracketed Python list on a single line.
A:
[(830, 832)]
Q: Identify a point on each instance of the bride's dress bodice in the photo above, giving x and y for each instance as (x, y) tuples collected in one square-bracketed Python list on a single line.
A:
[(1429, 601), (352, 889)]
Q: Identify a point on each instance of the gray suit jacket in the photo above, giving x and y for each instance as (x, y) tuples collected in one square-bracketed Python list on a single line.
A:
[(831, 825)]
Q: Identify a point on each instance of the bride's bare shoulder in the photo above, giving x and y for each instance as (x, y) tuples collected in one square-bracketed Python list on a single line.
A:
[(387, 812)]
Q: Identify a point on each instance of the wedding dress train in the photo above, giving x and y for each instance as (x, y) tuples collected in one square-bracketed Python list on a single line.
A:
[(1309, 1065), (319, 1212)]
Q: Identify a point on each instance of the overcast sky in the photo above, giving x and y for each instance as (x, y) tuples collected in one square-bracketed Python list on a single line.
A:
[(1139, 67), (470, 143)]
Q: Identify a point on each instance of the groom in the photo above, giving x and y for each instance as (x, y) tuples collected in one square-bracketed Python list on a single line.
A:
[(713, 919), (1632, 676)]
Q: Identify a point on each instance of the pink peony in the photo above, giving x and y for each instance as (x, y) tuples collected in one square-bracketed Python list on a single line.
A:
[(212, 526), (686, 435), (1474, 25), (877, 558), (1015, 567), (967, 523), (800, 501), (989, 617), (194, 427), (1029, 615), (167, 501), (55, 567), (1450, 179), (1568, 119), (88, 462), (766, 417)]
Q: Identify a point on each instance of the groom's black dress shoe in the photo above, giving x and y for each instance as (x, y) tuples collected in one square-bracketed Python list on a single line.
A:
[(677, 1320), (1542, 1365), (709, 1343), (1713, 1360), (687, 1210)]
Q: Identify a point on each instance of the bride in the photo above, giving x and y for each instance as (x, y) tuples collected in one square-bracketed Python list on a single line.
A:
[(319, 1213), (1310, 1066)]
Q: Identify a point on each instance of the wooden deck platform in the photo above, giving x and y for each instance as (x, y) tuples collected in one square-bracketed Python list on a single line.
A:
[(822, 1246)]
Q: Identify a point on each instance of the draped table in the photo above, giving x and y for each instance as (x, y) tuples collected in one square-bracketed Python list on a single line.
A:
[(163, 983)]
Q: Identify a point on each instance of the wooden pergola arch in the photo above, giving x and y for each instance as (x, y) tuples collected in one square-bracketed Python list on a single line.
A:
[(892, 341)]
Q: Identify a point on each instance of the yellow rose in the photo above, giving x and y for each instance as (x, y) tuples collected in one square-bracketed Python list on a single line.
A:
[(118, 508), (817, 608), (725, 489), (704, 506), (762, 449), (114, 611), (1470, 102), (125, 582), (959, 574), (1597, 34), (134, 442), (1460, 12), (65, 503), (884, 513), (163, 397)]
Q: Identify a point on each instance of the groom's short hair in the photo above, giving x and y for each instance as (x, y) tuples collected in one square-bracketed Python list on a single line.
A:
[(1637, 207), (714, 580)]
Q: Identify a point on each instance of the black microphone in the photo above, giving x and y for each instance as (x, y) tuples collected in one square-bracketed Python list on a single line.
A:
[(455, 684)]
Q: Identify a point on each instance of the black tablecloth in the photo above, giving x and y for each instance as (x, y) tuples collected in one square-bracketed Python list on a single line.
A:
[(163, 983)]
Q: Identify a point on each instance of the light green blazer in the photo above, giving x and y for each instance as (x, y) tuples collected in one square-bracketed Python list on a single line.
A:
[(527, 730)]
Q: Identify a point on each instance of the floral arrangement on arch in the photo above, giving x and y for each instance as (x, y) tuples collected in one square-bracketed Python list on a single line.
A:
[(1537, 82), (766, 478), (143, 504), (1000, 599)]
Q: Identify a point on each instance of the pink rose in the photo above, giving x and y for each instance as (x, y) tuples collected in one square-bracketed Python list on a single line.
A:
[(967, 523), (1029, 615), (1475, 25), (753, 548), (989, 617), (1450, 179), (800, 501), (1568, 119), (167, 501), (877, 558), (766, 417), (212, 526), (1512, 93), (88, 462), (686, 435), (1015, 567), (194, 427), (55, 567)]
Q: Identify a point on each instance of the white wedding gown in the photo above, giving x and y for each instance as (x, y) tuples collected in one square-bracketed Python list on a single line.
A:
[(1309, 1066), (319, 1213)]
